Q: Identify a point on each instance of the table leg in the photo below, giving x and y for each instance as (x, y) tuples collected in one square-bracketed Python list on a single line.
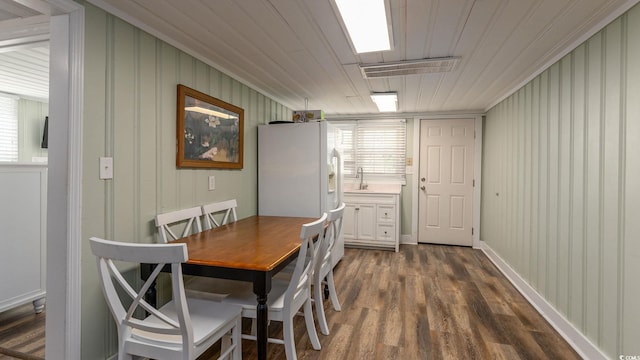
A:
[(262, 327), (261, 287)]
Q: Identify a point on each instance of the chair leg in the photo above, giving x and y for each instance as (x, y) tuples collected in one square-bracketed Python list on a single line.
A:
[(124, 356), (233, 340), (236, 337), (332, 291), (289, 341), (311, 326), (226, 341), (254, 326), (317, 299)]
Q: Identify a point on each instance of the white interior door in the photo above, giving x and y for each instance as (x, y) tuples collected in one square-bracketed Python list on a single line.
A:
[(445, 201)]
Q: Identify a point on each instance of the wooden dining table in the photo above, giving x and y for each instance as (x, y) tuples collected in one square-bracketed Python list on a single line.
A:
[(252, 249)]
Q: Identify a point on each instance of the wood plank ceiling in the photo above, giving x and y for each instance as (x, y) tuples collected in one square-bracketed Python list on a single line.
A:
[(294, 50)]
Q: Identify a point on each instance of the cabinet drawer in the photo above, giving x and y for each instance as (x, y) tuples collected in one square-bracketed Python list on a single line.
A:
[(386, 214), (386, 232)]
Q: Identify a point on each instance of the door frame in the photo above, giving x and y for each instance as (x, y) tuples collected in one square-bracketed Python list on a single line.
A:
[(64, 193), (477, 171)]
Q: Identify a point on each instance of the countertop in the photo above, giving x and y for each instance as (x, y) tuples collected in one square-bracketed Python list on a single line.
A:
[(394, 189)]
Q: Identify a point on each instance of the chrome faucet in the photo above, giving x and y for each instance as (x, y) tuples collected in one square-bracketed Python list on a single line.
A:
[(360, 175)]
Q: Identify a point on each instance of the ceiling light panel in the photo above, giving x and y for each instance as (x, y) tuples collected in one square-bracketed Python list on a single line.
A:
[(368, 24), (404, 68), (386, 102)]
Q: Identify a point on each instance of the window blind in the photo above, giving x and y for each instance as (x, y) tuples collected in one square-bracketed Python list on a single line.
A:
[(378, 146), (8, 128)]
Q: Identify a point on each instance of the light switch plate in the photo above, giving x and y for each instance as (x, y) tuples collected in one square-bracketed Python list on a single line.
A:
[(212, 182), (106, 168)]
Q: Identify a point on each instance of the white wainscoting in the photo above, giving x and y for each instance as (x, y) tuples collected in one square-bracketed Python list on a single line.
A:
[(23, 195)]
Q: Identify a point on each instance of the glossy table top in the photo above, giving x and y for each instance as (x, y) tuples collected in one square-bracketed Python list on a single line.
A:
[(256, 243)]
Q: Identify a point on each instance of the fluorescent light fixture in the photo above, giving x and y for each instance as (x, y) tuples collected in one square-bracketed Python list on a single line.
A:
[(386, 102), (210, 112), (367, 23), (412, 67)]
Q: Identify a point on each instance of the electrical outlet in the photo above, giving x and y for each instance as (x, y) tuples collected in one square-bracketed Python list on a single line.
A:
[(212, 182), (106, 168)]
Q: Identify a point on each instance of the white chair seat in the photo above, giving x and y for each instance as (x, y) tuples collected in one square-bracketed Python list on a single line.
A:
[(204, 322), (201, 287), (245, 297)]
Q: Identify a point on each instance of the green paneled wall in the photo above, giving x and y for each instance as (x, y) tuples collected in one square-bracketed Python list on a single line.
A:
[(561, 185), (130, 115)]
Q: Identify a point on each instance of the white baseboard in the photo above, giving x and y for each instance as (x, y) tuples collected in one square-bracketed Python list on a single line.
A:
[(407, 240), (580, 343)]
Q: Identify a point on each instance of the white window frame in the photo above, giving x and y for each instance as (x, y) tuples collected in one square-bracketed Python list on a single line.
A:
[(372, 163), (8, 128)]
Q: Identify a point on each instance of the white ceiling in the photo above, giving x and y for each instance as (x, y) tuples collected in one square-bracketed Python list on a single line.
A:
[(292, 50), (24, 71)]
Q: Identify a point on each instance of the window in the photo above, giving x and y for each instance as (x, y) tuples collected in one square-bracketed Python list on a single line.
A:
[(378, 146), (8, 128)]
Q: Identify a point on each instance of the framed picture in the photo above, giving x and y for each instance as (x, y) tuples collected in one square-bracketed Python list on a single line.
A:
[(210, 131)]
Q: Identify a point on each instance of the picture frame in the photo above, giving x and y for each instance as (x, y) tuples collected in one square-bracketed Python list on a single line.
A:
[(210, 132)]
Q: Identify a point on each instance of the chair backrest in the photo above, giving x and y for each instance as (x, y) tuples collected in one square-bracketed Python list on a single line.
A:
[(227, 207), (118, 291), (334, 227), (300, 285), (189, 217)]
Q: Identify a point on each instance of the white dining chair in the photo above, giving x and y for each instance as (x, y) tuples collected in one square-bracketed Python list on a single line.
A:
[(226, 209), (323, 272), (287, 297), (183, 328), (188, 218)]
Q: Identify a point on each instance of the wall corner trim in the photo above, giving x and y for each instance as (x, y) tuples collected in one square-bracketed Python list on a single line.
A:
[(576, 339)]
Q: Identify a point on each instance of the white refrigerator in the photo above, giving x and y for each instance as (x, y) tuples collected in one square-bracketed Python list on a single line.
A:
[(300, 171)]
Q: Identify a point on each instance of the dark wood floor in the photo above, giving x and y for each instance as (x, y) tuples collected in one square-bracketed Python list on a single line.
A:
[(425, 302), (22, 334)]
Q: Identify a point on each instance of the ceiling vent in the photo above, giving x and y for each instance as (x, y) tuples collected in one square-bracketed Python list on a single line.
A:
[(414, 67)]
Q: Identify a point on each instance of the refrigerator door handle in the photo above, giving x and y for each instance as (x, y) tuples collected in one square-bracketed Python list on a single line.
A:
[(336, 154)]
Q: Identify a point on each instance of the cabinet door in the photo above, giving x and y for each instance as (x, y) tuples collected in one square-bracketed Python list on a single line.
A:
[(366, 221), (349, 221)]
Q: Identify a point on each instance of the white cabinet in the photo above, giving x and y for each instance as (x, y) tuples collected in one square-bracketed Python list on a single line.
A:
[(359, 221), (371, 220)]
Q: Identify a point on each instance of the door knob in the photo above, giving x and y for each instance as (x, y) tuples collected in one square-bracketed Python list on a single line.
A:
[(423, 179), (423, 188)]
